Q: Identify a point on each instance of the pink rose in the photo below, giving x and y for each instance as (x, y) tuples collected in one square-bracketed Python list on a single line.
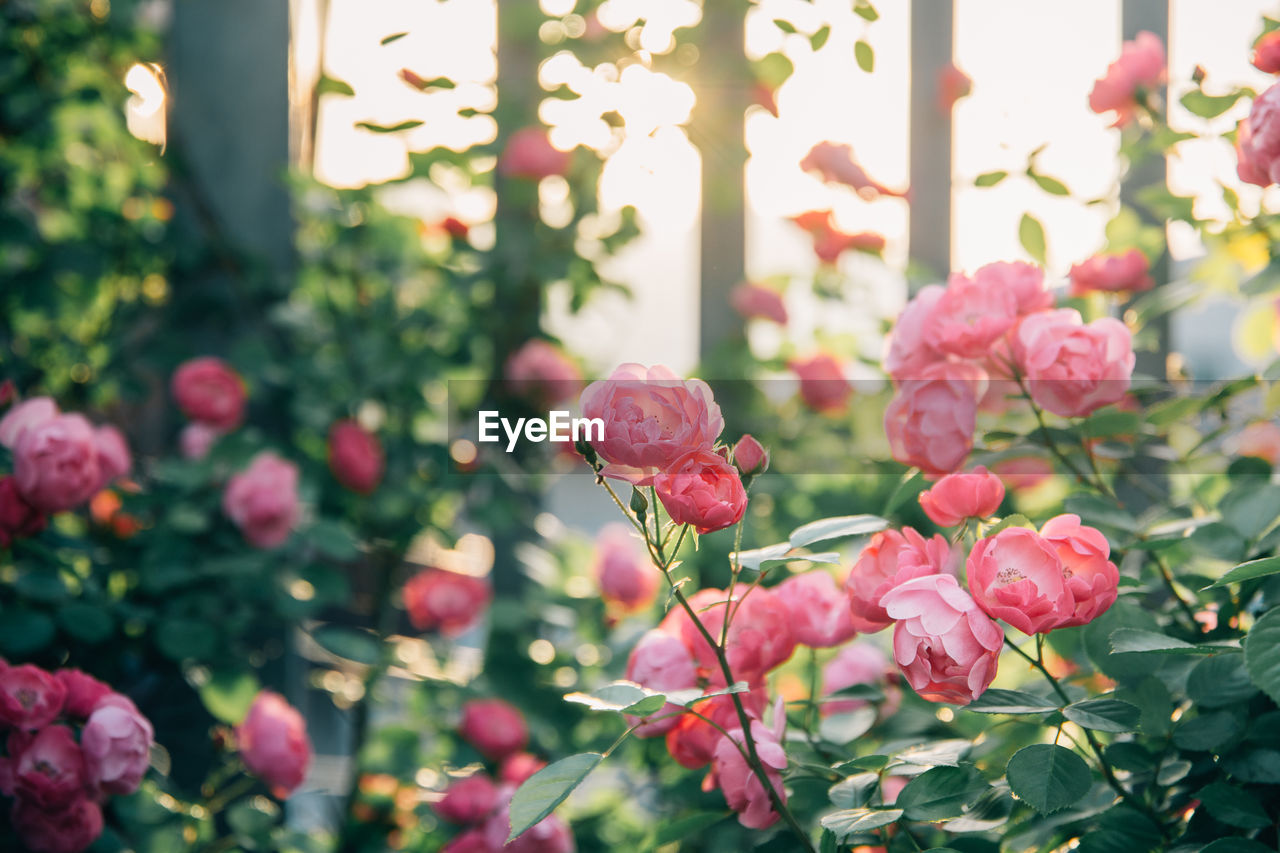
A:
[(1140, 66), (471, 841), (67, 830), (693, 740), (30, 698), (114, 458), (661, 662), (550, 835), (355, 457), (468, 800), (750, 457), (83, 692), (889, 559), (857, 663), (959, 496), (1266, 53), (945, 645), (50, 771), (519, 766), (820, 615), (494, 727), (1258, 140), (117, 743), (953, 84), (910, 349), (1024, 472), (540, 371), (530, 154), (742, 789), (25, 416), (972, 314), (209, 391), (930, 420), (262, 500), (18, 519), (651, 418), (1260, 439), (834, 163), (1091, 578), (823, 385), (444, 601), (1023, 280), (702, 489), (197, 439), (55, 463), (1120, 272), (1073, 369), (628, 582), (274, 743), (757, 301), (760, 634), (1018, 577)]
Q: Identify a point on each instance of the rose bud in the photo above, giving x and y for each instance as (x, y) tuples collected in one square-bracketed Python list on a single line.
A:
[(702, 489), (959, 496), (750, 456), (449, 602), (355, 457), (469, 800)]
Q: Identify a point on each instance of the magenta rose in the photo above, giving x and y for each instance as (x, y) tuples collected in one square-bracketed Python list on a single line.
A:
[(1141, 65), (889, 559), (750, 457), (274, 744), (1091, 578), (628, 582), (55, 463), (18, 519), (70, 829), (117, 743), (930, 420), (25, 416), (494, 727), (820, 615), (50, 772), (468, 800), (956, 497), (471, 841), (30, 698), (651, 418), (84, 692), (823, 385), (1017, 576), (661, 662), (444, 601), (858, 663), (702, 489), (1258, 140), (1118, 272), (540, 371), (262, 500), (947, 648), (208, 390), (355, 457), (1073, 369), (529, 154), (910, 349), (755, 301), (742, 789)]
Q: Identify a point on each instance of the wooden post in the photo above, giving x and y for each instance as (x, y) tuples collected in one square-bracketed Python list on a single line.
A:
[(930, 139)]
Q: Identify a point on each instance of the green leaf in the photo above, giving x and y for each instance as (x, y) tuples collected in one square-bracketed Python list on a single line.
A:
[(853, 792), (845, 728), (839, 527), (784, 25), (865, 56), (1137, 641), (1209, 106), (1031, 236), (228, 695), (181, 639), (865, 10), (394, 37), (333, 539), (848, 822), (940, 793), (1254, 765), (23, 632), (997, 701), (685, 827), (618, 696), (1262, 653), (331, 86), (1220, 681), (1048, 777), (1233, 805), (548, 788), (44, 585), (1207, 732), (866, 762), (1053, 186), (88, 623), (1104, 715), (349, 643), (818, 39), (389, 128), (1251, 509), (939, 753), (773, 70), (1235, 845), (990, 179)]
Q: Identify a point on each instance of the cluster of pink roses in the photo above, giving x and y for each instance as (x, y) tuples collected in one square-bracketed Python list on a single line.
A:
[(480, 804), (966, 344), (273, 743), (946, 640), (59, 782)]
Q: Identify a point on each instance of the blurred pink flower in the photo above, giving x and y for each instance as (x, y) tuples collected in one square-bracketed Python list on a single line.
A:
[(70, 829), (262, 500), (953, 84), (823, 385), (83, 692), (530, 154), (355, 457), (972, 314), (742, 789), (117, 742), (661, 661), (207, 389), (1258, 140), (834, 163), (757, 301), (50, 772), (494, 727), (1119, 272), (541, 372), (274, 744), (628, 582), (24, 416), (56, 464), (18, 519), (931, 418), (445, 601), (1260, 439), (114, 458), (196, 439), (1141, 65), (30, 698), (910, 348), (469, 800), (1266, 53), (860, 662), (820, 615)]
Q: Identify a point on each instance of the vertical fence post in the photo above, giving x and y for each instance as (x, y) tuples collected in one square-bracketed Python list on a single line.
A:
[(930, 137)]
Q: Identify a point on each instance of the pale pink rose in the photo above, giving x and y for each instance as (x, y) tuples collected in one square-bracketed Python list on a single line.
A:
[(355, 457), (55, 463), (930, 420), (1141, 65), (519, 766), (834, 163), (208, 390), (1091, 578), (702, 489), (956, 497), (750, 457), (83, 692), (70, 829), (18, 519), (24, 416), (1258, 140), (1266, 53), (757, 301), (1260, 439), (540, 371), (661, 662), (820, 615), (891, 557), (1072, 369), (947, 648), (1025, 281), (693, 740), (494, 727), (114, 458), (530, 154), (651, 418), (1119, 272), (1017, 576), (468, 800), (444, 601), (50, 771), (274, 744), (30, 698), (823, 385), (550, 835), (262, 500), (1023, 472), (628, 581), (197, 439), (910, 349), (760, 635), (972, 314), (861, 662), (953, 84), (117, 743), (742, 789)]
